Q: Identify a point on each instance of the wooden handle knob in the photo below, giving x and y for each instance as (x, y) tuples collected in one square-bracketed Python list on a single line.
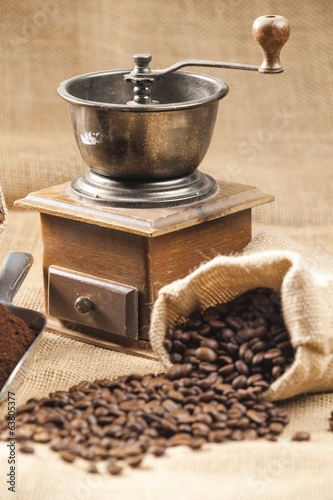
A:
[(271, 32)]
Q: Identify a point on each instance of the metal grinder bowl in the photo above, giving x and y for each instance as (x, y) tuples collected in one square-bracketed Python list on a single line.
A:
[(121, 140)]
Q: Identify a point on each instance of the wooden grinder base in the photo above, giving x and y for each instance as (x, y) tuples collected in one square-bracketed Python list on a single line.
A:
[(115, 260)]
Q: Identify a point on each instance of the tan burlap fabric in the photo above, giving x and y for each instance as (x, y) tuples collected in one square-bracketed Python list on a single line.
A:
[(273, 132), (305, 279)]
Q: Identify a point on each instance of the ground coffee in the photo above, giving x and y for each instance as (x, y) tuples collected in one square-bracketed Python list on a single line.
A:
[(224, 359), (16, 336)]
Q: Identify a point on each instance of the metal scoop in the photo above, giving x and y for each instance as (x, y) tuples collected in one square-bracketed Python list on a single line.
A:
[(14, 269)]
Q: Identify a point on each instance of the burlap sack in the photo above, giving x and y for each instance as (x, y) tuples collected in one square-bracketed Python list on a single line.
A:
[(3, 211), (305, 279)]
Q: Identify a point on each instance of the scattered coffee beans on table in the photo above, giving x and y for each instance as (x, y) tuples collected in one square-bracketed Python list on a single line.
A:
[(224, 358)]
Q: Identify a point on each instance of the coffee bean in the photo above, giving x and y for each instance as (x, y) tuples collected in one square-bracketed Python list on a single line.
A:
[(208, 367), (222, 308), (135, 461), (259, 346), (239, 382), (272, 353), (176, 357), (234, 322), (248, 355), (276, 427), (279, 360), (270, 437), (26, 449), (276, 371), (114, 469), (250, 434), (92, 469), (260, 331), (211, 343), (206, 354), (258, 358), (67, 456), (301, 436), (255, 416), (242, 367), (282, 336), (42, 437), (216, 324), (226, 370), (225, 360), (237, 435)]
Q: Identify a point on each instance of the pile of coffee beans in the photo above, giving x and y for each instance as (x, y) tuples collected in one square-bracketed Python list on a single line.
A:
[(224, 358)]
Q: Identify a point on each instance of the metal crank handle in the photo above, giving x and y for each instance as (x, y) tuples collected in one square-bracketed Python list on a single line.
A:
[(271, 32)]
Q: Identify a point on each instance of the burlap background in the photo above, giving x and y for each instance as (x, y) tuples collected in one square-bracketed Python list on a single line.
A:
[(272, 131)]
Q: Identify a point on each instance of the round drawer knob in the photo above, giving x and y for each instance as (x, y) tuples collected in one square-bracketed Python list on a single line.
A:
[(83, 305)]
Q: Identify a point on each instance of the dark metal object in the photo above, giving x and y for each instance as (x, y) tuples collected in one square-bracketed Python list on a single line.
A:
[(142, 151), (14, 269), (83, 305), (143, 77), (271, 32), (130, 148), (134, 194)]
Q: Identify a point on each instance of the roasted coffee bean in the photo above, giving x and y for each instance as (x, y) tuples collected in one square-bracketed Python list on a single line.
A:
[(176, 357), (257, 417), (225, 360), (26, 449), (279, 360), (234, 322), (208, 367), (248, 356), (226, 370), (276, 371), (244, 335), (242, 367), (92, 469), (206, 354), (242, 349), (301, 436), (272, 353), (258, 358), (211, 343), (114, 469), (239, 382), (250, 434), (217, 324), (276, 427), (67, 456), (237, 435)]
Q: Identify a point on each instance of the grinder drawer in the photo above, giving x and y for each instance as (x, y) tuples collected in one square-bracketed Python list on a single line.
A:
[(96, 302)]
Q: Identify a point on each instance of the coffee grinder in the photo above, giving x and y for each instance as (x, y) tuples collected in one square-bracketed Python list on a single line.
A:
[(143, 215)]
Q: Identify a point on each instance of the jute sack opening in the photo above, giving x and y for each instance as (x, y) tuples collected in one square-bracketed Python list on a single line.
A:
[(3, 211), (305, 279)]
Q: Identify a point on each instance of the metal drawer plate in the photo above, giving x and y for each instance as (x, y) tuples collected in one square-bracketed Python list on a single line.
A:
[(87, 300)]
